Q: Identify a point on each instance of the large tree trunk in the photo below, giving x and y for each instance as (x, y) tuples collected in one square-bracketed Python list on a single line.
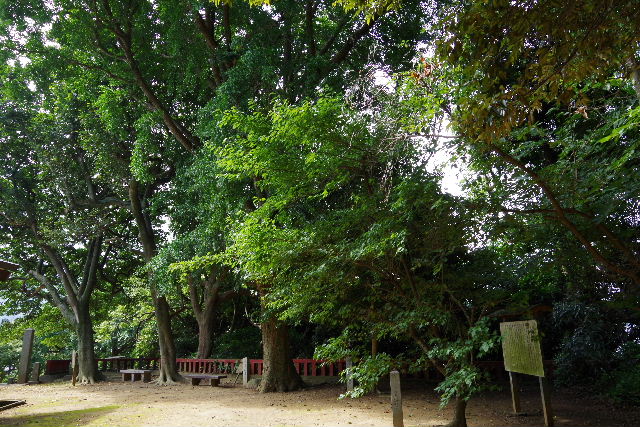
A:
[(88, 366), (205, 333), (278, 374), (168, 368), (459, 416), (205, 306)]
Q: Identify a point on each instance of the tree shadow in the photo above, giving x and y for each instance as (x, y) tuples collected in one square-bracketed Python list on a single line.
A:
[(78, 417)]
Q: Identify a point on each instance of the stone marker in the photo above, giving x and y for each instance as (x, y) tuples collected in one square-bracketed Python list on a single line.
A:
[(74, 367), (25, 356), (245, 371), (349, 366), (35, 373), (396, 399)]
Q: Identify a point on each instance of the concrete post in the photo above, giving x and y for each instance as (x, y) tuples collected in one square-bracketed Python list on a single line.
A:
[(245, 371), (396, 399), (349, 366), (35, 373), (25, 356)]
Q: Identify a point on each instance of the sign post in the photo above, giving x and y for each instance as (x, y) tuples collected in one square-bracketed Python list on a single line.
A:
[(522, 355)]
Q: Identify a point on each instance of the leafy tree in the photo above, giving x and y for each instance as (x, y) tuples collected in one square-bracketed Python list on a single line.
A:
[(529, 102), (351, 230), (61, 247), (152, 53)]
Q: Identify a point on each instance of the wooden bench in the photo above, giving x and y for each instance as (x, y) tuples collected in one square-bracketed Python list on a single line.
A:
[(136, 374), (214, 380)]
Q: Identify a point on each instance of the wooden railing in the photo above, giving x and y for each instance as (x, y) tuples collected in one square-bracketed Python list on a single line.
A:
[(115, 364), (304, 367), (207, 366)]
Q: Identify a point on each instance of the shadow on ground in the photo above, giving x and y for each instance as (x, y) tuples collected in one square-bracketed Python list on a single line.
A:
[(79, 417)]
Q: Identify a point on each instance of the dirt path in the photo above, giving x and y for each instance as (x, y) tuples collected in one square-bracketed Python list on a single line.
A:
[(119, 404)]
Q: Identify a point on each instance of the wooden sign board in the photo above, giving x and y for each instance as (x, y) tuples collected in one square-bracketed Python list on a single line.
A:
[(521, 347)]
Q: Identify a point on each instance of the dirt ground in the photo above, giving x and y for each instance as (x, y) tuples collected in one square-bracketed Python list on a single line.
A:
[(115, 403)]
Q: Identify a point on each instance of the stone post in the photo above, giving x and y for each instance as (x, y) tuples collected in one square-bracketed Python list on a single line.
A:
[(25, 356), (396, 399), (245, 371), (74, 367), (35, 373), (349, 366)]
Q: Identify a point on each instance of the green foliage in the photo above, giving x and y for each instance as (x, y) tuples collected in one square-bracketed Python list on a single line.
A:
[(624, 382), (9, 357), (517, 56), (348, 224), (272, 155), (366, 374), (243, 342), (463, 379)]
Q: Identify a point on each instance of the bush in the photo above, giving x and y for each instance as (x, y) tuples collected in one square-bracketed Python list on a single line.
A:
[(9, 357), (625, 380), (588, 342)]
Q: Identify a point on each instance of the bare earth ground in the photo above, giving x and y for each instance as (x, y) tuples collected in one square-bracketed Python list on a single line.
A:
[(136, 404)]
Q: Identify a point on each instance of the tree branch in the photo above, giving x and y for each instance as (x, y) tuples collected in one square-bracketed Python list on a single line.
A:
[(57, 300)]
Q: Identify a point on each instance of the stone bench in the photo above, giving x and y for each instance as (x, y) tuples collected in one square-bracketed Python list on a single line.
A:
[(136, 374), (214, 380)]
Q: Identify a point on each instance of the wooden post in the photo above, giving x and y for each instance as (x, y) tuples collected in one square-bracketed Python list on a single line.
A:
[(349, 366), (25, 356), (546, 401), (74, 367), (515, 392), (396, 399), (245, 371)]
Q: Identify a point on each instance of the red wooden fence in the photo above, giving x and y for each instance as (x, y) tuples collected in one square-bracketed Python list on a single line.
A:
[(304, 367), (57, 367), (207, 366)]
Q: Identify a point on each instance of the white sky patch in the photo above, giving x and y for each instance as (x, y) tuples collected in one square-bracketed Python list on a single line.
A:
[(452, 171)]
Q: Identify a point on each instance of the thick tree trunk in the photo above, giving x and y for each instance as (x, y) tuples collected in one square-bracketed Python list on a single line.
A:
[(88, 366), (278, 374), (459, 416), (205, 332), (168, 368)]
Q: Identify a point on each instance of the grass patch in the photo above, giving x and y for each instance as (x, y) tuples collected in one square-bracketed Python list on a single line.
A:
[(75, 418)]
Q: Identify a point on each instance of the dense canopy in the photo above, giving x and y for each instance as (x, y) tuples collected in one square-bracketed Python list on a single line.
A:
[(265, 179)]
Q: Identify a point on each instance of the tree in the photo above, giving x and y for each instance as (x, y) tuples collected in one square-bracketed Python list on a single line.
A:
[(152, 52), (528, 87), (352, 231), (60, 247)]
